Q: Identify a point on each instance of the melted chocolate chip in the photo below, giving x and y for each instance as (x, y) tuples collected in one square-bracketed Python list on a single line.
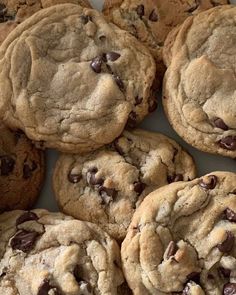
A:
[(139, 187), (118, 147), (194, 276), (224, 272), (152, 105), (171, 250), (219, 123), (132, 120), (138, 100), (210, 183), (175, 178), (230, 215), (74, 177), (91, 178), (153, 16), (111, 192), (229, 289), (27, 170), (112, 56), (227, 245), (6, 165), (76, 273), (85, 19), (96, 64), (24, 240), (46, 287), (119, 82), (140, 10), (27, 216), (228, 143)]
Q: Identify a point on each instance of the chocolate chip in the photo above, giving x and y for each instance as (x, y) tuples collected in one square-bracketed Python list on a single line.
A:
[(138, 100), (224, 271), (210, 183), (46, 287), (219, 123), (194, 276), (230, 215), (171, 249), (27, 170), (26, 217), (76, 273), (139, 187), (227, 245), (132, 120), (96, 64), (118, 147), (6, 165), (74, 177), (91, 178), (24, 240), (175, 178), (112, 56), (229, 289), (140, 10), (153, 16), (111, 192), (119, 82), (228, 143), (85, 19), (152, 105)]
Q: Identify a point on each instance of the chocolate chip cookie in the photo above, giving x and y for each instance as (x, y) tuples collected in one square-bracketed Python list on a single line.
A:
[(106, 186), (182, 239), (77, 82), (21, 170), (13, 12), (151, 20), (199, 87), (50, 253)]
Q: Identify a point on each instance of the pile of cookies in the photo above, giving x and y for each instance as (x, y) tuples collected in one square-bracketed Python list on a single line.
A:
[(137, 219)]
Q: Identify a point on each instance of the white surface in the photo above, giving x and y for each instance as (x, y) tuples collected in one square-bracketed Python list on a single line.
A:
[(156, 122)]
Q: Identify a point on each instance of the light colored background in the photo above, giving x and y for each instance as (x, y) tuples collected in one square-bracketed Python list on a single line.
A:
[(156, 122)]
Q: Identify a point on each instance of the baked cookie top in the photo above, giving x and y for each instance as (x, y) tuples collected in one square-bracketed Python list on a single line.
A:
[(73, 81), (21, 170), (199, 87), (151, 20), (13, 12), (106, 186), (50, 253), (182, 239)]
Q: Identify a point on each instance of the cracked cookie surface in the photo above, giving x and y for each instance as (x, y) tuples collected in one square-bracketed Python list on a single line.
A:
[(73, 81), (106, 186), (182, 239), (199, 88), (50, 253), (151, 20), (13, 12), (21, 170)]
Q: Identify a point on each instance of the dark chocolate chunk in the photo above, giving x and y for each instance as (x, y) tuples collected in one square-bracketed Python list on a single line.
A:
[(210, 183), (230, 215), (153, 16), (227, 245), (224, 272), (46, 287), (140, 10), (112, 56), (96, 64), (24, 240), (229, 289), (228, 143), (139, 187), (219, 123), (7, 164), (27, 216), (132, 120), (119, 82)]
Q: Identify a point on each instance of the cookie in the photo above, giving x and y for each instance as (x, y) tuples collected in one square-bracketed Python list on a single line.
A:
[(50, 253), (151, 20), (82, 80), (13, 12), (21, 170), (106, 186), (182, 239), (199, 87)]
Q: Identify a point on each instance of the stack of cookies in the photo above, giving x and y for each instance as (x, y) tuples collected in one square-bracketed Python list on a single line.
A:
[(135, 218)]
